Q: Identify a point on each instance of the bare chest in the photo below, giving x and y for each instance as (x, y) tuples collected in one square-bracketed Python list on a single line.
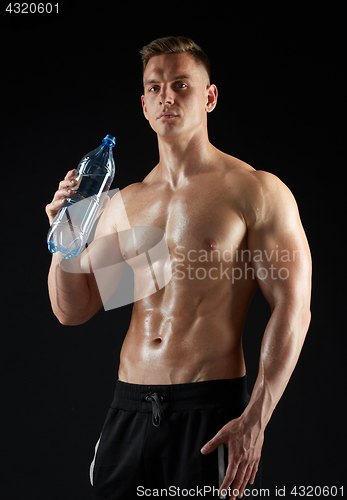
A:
[(192, 220)]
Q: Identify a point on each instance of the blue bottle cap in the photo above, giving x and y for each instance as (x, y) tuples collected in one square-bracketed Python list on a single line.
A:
[(109, 140)]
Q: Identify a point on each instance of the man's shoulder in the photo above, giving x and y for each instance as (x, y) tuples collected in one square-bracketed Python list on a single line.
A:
[(270, 188), (257, 191), (253, 182), (131, 190), (267, 197), (232, 165), (245, 173), (257, 179)]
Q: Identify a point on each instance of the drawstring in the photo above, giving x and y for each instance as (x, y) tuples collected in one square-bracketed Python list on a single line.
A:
[(157, 410)]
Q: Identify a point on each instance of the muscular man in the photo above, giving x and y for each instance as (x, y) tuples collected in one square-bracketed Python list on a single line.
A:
[(181, 416)]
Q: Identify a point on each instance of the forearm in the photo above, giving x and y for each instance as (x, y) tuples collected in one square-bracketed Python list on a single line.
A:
[(280, 350), (69, 291)]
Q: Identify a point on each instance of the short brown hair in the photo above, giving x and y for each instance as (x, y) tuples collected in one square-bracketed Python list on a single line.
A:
[(175, 45)]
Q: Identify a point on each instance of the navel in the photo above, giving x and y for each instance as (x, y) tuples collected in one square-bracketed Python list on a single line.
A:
[(209, 244)]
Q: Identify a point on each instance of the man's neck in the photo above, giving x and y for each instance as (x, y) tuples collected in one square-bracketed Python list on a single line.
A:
[(182, 157)]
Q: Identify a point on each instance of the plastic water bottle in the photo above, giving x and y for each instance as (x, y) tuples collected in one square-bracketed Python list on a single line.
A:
[(71, 226)]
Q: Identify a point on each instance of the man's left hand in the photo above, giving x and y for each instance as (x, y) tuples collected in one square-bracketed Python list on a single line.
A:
[(244, 443)]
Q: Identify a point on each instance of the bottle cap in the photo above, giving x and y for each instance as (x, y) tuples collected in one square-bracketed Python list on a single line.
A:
[(109, 140)]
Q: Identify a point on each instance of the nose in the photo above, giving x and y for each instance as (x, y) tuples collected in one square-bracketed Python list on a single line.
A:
[(165, 96)]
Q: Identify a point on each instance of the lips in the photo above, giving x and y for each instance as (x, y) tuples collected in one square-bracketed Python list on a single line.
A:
[(167, 114)]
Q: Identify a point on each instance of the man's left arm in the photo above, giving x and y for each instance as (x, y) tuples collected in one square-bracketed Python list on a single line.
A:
[(282, 264)]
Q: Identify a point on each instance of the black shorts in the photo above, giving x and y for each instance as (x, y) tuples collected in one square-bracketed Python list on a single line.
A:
[(151, 440)]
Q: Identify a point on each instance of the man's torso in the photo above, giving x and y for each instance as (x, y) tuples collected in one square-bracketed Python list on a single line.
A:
[(191, 329)]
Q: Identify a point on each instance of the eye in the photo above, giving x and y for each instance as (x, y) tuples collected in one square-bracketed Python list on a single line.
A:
[(153, 89), (181, 85)]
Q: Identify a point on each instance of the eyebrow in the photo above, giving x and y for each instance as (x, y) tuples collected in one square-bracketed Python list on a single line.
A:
[(178, 77)]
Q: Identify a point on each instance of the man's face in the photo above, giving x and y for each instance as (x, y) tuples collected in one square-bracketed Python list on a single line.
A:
[(177, 94)]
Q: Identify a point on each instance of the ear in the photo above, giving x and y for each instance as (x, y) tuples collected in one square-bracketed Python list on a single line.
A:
[(144, 109), (212, 95)]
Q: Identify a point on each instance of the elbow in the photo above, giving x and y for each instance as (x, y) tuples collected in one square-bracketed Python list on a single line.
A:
[(297, 313), (302, 317), (306, 318), (67, 320)]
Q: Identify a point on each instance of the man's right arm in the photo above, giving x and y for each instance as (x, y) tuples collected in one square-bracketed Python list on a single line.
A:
[(72, 286), (73, 296)]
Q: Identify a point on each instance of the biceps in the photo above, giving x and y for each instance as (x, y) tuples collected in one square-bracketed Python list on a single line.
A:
[(282, 264)]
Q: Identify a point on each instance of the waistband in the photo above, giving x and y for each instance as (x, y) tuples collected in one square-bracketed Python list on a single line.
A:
[(182, 397)]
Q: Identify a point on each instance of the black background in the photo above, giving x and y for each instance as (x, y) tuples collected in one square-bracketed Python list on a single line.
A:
[(70, 79)]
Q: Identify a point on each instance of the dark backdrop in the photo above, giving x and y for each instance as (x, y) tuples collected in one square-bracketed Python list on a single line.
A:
[(70, 79)]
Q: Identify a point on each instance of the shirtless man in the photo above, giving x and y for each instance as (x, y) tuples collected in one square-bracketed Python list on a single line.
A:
[(229, 229)]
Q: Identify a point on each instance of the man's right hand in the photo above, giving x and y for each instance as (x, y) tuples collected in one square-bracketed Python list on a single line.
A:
[(74, 292), (65, 188)]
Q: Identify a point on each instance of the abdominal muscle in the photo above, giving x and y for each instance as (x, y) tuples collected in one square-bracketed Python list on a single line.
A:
[(186, 333)]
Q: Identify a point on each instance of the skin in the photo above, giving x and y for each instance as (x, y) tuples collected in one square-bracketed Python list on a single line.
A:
[(205, 201)]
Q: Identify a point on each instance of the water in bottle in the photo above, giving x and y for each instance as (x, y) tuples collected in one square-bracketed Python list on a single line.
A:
[(71, 226)]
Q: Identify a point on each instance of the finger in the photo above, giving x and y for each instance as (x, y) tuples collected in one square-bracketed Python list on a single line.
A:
[(60, 193), (59, 199), (254, 473), (71, 173), (229, 476), (243, 482), (54, 206), (212, 444), (67, 183), (237, 483), (241, 490), (66, 188)]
